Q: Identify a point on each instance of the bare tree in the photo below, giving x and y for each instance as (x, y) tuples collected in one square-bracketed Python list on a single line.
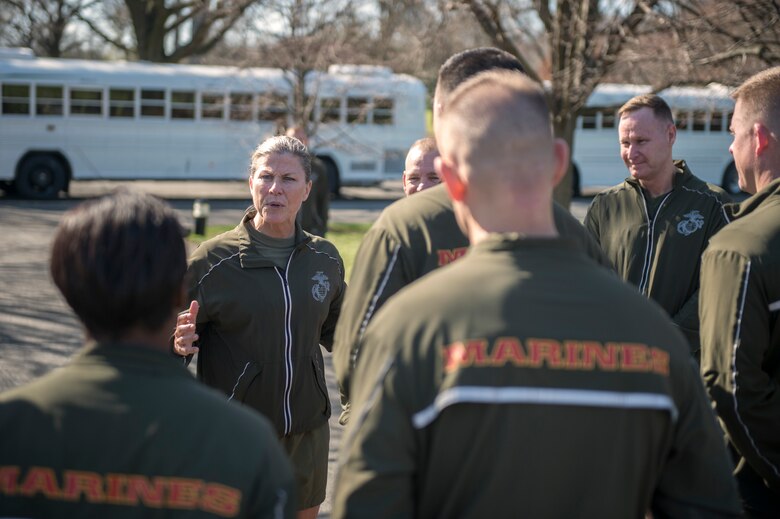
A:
[(301, 36), (417, 36), (577, 42), (165, 30), (729, 37), (42, 25)]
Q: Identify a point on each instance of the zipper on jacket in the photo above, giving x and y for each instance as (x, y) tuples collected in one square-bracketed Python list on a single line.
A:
[(288, 363), (644, 280)]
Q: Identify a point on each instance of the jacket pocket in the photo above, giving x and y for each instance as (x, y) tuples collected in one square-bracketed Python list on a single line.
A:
[(319, 376), (245, 379)]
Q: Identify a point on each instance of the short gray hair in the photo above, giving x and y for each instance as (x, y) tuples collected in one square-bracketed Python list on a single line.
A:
[(280, 145)]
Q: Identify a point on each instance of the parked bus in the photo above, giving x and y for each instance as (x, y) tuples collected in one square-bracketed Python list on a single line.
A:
[(63, 120), (702, 116)]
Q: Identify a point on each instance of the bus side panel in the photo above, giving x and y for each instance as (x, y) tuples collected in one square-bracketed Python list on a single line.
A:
[(597, 157), (100, 149), (707, 154), (20, 135)]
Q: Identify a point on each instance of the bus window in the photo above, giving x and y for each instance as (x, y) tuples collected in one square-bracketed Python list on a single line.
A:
[(681, 120), (699, 121), (16, 99), (383, 111), (182, 104), (152, 103), (86, 101), (272, 107), (48, 100), (121, 102), (716, 122), (212, 106), (588, 118), (330, 109), (241, 106), (608, 119), (357, 110)]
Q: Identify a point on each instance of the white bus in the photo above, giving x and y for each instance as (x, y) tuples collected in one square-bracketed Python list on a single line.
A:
[(702, 116), (64, 119)]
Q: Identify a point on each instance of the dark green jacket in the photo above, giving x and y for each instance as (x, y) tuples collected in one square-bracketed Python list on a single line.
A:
[(740, 331), (411, 238), (313, 215), (126, 431), (661, 255), (260, 326), (518, 382)]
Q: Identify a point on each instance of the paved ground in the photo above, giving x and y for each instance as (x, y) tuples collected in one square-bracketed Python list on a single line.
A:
[(38, 332)]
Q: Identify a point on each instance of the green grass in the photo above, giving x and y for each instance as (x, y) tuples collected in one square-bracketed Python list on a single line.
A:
[(429, 120), (345, 236)]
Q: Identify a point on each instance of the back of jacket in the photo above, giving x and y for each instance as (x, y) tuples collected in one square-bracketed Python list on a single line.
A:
[(124, 431), (412, 238), (526, 381)]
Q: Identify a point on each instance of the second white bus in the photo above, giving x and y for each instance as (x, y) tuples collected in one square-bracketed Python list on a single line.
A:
[(702, 116)]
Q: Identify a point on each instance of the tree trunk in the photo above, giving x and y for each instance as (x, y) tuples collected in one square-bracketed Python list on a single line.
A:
[(563, 126)]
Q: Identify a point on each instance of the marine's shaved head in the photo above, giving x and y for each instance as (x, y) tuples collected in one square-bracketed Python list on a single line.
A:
[(498, 124), (759, 97), (499, 157)]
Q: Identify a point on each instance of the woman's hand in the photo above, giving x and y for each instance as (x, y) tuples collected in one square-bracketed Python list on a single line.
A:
[(185, 334)]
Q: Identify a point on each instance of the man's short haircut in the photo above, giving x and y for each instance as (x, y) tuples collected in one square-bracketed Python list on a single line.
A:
[(760, 95), (119, 261), (425, 145), (464, 65), (282, 144), (493, 118), (655, 103)]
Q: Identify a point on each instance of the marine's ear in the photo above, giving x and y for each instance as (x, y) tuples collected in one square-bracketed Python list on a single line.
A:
[(561, 156), (763, 136), (448, 172)]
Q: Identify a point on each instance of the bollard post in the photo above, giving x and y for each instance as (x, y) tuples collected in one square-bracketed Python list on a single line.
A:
[(200, 212)]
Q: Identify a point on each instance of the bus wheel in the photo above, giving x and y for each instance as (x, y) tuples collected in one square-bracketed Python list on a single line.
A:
[(731, 180), (40, 177)]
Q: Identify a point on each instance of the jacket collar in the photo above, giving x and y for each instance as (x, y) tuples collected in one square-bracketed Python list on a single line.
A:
[(135, 356), (248, 253), (682, 175), (769, 195), (513, 241)]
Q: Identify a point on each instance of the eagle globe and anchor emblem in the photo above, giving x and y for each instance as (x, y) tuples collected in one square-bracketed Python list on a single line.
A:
[(321, 288), (690, 223)]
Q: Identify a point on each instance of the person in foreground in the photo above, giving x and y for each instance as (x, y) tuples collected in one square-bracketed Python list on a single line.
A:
[(264, 297), (655, 225), (515, 381), (740, 301), (419, 173), (124, 430), (419, 234)]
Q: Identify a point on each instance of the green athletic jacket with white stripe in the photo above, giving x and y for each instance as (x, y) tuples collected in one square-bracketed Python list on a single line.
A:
[(525, 381), (125, 431), (740, 332), (411, 238), (660, 253), (260, 327)]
